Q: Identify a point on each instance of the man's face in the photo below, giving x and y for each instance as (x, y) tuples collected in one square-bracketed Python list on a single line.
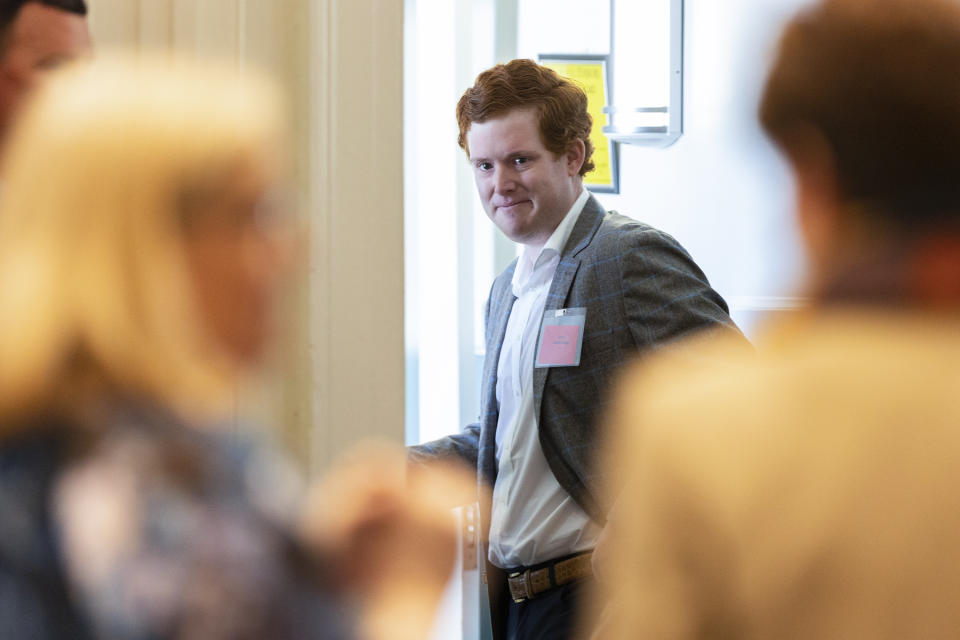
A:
[(39, 39), (525, 189)]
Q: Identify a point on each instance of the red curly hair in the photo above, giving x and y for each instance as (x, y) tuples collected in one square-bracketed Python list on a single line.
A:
[(561, 106)]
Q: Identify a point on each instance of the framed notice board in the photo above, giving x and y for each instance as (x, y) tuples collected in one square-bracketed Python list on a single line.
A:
[(590, 73)]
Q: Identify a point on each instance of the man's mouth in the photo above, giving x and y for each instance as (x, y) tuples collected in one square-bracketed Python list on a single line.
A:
[(507, 206)]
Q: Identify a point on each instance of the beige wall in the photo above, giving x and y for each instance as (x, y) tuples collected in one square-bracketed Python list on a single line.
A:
[(340, 374)]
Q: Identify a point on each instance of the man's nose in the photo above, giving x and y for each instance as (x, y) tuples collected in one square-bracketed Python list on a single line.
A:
[(504, 180)]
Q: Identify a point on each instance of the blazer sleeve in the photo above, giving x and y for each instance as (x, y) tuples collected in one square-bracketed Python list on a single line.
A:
[(463, 446), (666, 296)]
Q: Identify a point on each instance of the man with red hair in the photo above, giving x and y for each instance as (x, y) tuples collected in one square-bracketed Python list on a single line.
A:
[(591, 289)]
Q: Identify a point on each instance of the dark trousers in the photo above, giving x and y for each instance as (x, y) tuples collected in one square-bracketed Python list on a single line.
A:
[(553, 615)]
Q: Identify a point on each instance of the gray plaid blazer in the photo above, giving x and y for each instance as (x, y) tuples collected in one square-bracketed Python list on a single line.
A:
[(641, 290)]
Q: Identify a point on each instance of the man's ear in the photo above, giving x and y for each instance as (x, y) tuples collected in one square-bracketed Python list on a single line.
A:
[(817, 207), (575, 156), (817, 201)]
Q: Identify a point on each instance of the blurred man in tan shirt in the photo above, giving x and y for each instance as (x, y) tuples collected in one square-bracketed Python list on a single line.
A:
[(811, 491)]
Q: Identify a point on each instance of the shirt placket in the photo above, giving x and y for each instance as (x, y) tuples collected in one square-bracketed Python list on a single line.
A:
[(528, 300)]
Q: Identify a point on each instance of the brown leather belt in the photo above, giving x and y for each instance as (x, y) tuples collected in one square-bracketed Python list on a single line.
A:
[(528, 584)]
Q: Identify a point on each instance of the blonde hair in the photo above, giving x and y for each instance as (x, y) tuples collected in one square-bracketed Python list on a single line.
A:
[(94, 289)]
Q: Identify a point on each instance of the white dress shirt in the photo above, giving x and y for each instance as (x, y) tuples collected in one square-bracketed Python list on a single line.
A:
[(534, 519)]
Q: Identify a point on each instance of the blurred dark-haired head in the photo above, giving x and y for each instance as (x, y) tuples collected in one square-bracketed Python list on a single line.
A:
[(864, 100), (35, 36), (10, 8), (876, 83)]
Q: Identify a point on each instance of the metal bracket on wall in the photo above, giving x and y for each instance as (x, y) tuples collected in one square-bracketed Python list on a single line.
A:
[(654, 126)]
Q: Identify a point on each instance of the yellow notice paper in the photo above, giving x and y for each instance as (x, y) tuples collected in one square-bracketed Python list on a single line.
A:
[(591, 77)]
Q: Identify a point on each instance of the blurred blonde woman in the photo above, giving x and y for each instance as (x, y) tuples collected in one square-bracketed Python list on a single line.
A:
[(140, 253)]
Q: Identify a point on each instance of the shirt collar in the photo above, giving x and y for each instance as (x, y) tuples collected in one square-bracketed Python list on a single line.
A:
[(532, 259)]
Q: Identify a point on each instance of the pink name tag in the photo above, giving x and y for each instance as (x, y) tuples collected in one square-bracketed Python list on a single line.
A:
[(561, 338)]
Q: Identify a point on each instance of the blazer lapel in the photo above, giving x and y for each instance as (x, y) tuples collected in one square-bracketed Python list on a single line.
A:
[(580, 236), (499, 315), (500, 308)]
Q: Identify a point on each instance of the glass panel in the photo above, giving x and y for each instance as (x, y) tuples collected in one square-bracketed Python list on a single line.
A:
[(563, 26), (642, 54)]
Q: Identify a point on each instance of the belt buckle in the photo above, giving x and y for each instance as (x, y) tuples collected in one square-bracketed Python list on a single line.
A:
[(525, 580)]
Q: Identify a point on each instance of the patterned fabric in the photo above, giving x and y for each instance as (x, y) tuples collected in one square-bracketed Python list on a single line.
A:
[(642, 291), (156, 530), (34, 599)]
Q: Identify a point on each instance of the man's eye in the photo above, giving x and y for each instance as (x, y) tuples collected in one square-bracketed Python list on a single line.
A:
[(484, 166), (521, 161)]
